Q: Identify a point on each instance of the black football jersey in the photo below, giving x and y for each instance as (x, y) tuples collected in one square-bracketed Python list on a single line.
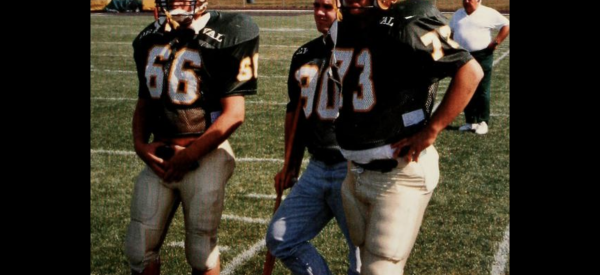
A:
[(389, 72), (186, 74), (309, 79)]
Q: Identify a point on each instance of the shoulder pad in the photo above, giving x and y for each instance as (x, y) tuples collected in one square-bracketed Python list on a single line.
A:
[(236, 28), (152, 28), (309, 47)]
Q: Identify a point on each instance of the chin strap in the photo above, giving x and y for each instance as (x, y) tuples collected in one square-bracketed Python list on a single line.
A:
[(170, 22), (173, 24)]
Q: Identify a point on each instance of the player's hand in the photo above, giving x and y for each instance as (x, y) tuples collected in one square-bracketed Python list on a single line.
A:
[(146, 152), (492, 46), (282, 182), (415, 144), (178, 165)]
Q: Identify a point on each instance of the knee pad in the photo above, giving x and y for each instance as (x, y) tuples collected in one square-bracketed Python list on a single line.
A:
[(201, 250), (138, 250)]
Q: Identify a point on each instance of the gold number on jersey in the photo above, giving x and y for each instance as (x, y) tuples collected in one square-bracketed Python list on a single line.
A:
[(154, 69), (363, 100), (183, 82), (325, 110), (184, 86), (433, 38), (248, 68), (306, 77), (445, 32)]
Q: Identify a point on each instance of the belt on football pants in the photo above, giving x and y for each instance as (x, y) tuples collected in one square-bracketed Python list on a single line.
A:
[(381, 165)]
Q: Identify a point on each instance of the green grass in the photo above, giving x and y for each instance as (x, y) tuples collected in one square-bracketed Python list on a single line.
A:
[(463, 225), (446, 5)]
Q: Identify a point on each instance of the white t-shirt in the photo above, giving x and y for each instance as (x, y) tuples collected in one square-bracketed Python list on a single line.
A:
[(473, 32)]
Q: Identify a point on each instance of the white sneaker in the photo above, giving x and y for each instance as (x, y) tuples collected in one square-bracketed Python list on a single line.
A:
[(468, 127), (482, 129)]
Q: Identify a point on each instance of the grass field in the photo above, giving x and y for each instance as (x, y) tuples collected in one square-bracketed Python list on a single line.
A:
[(444, 5), (464, 226)]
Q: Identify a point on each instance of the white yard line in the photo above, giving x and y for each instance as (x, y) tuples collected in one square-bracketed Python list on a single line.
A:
[(112, 152), (133, 72), (249, 102), (258, 160), (177, 244), (114, 98), (244, 219), (501, 257), (240, 259), (134, 99), (112, 71), (266, 102), (113, 55), (182, 245), (111, 42), (263, 196), (500, 58), (132, 153)]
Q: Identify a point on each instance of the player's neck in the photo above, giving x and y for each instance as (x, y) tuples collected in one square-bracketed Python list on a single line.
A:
[(200, 22)]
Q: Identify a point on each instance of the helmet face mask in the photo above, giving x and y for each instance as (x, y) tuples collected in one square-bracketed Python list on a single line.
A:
[(181, 11)]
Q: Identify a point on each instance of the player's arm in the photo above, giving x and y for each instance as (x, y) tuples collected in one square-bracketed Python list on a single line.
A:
[(502, 34), (141, 134), (292, 136), (457, 97), (143, 116), (230, 119), (294, 146)]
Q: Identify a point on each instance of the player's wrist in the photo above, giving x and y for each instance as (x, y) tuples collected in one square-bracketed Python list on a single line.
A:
[(139, 146)]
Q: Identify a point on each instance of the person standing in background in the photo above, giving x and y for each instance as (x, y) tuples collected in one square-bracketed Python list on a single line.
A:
[(471, 27)]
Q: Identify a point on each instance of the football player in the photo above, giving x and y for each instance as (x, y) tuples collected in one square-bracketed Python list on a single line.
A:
[(388, 59), (194, 68), (315, 199)]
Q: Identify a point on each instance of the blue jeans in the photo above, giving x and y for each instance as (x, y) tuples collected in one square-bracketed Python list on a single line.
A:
[(314, 200)]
